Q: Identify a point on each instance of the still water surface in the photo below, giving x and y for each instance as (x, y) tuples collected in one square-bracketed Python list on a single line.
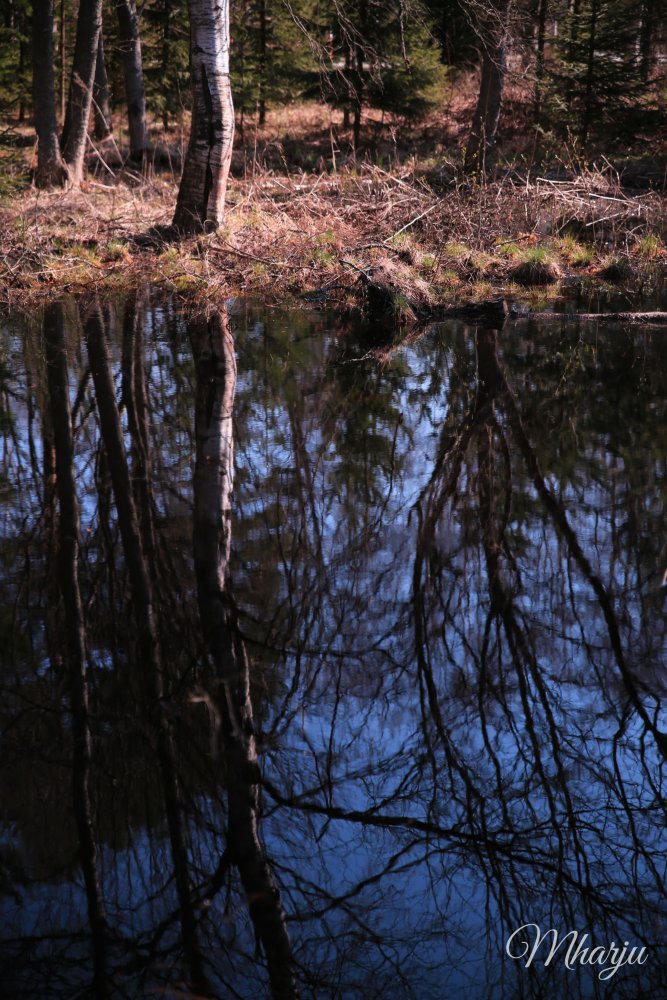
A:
[(321, 674)]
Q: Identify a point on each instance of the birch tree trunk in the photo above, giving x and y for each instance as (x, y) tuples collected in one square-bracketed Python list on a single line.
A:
[(201, 196), (75, 129), (130, 48), (479, 155), (51, 171)]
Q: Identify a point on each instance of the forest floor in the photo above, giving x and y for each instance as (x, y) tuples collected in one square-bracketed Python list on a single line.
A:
[(308, 218)]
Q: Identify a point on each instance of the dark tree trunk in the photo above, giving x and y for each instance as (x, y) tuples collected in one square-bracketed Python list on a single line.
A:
[(263, 29), (650, 22), (201, 196), (213, 351), (51, 170), (572, 43), (166, 48), (101, 110), (348, 79), (136, 405), (130, 48), (24, 55), (143, 602), (69, 532), (75, 129), (539, 59), (359, 77), (590, 72), (63, 62), (479, 155)]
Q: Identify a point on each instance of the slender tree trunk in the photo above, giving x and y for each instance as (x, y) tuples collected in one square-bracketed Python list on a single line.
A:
[(348, 80), (24, 55), (75, 129), (650, 21), (63, 62), (136, 405), (69, 532), (539, 59), (573, 38), (479, 155), (201, 196), (443, 34), (51, 170), (166, 48), (213, 351), (101, 110), (359, 76), (590, 72), (130, 48), (263, 29), (356, 124)]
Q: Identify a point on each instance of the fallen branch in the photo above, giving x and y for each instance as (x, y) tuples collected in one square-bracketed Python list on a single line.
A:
[(636, 318)]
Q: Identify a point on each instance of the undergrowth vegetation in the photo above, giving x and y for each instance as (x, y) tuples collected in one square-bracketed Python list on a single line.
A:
[(401, 205)]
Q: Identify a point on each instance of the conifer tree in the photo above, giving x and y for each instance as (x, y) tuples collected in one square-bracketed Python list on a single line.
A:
[(14, 57), (385, 56), (599, 82)]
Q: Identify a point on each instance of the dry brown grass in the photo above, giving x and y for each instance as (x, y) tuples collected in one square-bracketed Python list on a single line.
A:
[(311, 228)]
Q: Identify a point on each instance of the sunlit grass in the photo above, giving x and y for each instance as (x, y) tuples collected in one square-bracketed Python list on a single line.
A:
[(649, 246), (575, 253)]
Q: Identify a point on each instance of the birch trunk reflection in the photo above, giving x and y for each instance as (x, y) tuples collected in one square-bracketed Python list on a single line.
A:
[(213, 351), (69, 531)]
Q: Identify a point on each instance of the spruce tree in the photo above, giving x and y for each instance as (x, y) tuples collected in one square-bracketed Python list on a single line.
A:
[(384, 56), (599, 84), (15, 76)]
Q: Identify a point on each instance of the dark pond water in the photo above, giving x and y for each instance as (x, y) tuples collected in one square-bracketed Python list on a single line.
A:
[(321, 675)]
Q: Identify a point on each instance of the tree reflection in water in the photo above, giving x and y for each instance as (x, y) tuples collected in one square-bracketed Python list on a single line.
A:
[(429, 711)]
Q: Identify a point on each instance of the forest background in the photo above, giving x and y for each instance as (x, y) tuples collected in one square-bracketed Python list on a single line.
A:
[(451, 148)]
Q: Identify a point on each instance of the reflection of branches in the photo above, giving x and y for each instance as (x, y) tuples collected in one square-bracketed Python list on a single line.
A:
[(446, 743), (69, 531), (134, 546), (544, 752), (561, 522)]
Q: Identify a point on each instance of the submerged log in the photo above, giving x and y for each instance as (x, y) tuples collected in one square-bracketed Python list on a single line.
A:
[(495, 312), (386, 301), (492, 313), (635, 318)]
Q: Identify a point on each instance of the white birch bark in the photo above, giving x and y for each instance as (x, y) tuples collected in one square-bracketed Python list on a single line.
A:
[(201, 196)]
